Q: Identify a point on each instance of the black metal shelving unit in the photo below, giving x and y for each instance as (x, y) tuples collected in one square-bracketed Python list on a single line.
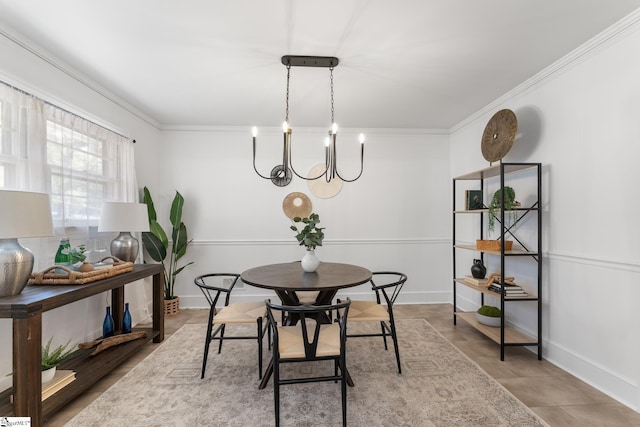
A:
[(505, 335)]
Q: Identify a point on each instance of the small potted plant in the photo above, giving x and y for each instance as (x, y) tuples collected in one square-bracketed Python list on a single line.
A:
[(496, 203), (489, 315), (51, 358), (310, 236)]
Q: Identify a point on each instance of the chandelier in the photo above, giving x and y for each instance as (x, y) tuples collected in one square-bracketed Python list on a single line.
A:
[(282, 174)]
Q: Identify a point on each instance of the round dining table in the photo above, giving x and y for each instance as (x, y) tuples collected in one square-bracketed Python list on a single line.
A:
[(288, 278)]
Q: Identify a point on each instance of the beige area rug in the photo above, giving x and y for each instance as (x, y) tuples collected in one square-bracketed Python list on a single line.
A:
[(439, 386)]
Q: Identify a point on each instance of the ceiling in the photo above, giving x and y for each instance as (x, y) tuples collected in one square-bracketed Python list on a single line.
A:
[(403, 64)]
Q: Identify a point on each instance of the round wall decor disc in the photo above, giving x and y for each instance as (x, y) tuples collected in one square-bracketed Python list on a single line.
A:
[(320, 187), (499, 135), (296, 204)]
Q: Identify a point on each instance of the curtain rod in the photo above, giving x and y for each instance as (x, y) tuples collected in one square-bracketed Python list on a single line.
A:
[(65, 110)]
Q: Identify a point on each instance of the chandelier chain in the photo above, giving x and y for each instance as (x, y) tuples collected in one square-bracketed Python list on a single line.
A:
[(286, 113), (331, 80)]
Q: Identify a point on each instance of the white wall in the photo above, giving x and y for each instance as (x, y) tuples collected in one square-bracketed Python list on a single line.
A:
[(391, 218), (582, 121)]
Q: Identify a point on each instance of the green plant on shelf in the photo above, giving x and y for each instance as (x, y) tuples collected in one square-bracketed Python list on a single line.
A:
[(496, 203), (53, 357), (489, 311)]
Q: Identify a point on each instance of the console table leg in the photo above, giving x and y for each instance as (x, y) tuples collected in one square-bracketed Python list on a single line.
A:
[(27, 357), (158, 306)]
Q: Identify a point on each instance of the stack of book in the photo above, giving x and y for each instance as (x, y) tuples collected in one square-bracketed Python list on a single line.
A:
[(61, 379), (477, 282), (510, 290)]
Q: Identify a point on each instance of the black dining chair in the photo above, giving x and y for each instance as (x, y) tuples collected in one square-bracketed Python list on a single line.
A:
[(213, 286), (386, 286), (309, 340)]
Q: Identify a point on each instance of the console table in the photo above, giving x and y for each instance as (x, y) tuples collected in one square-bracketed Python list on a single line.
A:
[(26, 311)]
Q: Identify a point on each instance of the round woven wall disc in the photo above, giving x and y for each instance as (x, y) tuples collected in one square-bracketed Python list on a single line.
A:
[(296, 204), (499, 135), (320, 187)]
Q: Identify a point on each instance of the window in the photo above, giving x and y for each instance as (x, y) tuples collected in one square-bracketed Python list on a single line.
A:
[(77, 162)]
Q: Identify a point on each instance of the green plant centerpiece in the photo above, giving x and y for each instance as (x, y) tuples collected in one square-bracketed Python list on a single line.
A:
[(496, 203), (310, 236), (157, 244), (52, 357)]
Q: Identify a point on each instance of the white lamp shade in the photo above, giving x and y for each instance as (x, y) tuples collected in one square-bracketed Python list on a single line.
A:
[(119, 216), (24, 214)]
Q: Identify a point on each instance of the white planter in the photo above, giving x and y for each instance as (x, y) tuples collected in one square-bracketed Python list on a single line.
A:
[(48, 375), (310, 261), (489, 321)]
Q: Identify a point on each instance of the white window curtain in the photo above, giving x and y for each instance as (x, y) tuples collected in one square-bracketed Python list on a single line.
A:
[(77, 162)]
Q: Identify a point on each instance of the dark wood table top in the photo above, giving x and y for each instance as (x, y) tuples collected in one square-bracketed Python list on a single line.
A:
[(329, 276)]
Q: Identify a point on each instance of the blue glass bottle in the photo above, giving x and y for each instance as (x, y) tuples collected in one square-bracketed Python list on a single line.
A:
[(108, 325), (126, 319)]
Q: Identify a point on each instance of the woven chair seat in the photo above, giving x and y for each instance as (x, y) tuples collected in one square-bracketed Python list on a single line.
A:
[(367, 311), (307, 297), (240, 313), (291, 344)]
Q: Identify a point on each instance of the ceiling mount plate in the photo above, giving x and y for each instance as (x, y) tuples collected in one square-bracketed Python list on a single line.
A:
[(310, 61)]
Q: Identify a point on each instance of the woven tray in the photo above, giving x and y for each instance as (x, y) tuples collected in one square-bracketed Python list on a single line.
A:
[(52, 276)]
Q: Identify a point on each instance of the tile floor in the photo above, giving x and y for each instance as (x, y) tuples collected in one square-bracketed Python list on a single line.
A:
[(559, 398)]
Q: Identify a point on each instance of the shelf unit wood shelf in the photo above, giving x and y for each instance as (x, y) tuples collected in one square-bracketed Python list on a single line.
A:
[(487, 291), (512, 336), (26, 311), (507, 335)]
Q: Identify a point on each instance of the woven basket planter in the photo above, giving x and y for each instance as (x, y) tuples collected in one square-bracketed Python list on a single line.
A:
[(171, 306)]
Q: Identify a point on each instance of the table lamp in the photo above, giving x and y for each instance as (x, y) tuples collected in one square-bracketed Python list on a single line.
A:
[(24, 214), (124, 218)]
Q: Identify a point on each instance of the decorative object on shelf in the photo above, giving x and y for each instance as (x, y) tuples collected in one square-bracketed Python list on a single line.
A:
[(498, 135), (86, 267), (52, 357), (310, 236), (24, 214), (473, 200), (496, 203), (59, 275), (62, 256), (157, 244), (126, 319), (493, 245), (478, 270), (108, 327), (124, 218), (320, 187), (296, 204), (77, 256), (281, 175), (105, 343), (489, 315)]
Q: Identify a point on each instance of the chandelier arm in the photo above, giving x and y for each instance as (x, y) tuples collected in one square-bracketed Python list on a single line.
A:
[(361, 166), (254, 161), (300, 176)]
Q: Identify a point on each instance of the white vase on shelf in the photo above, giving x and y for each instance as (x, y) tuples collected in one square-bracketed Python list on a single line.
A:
[(310, 261)]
